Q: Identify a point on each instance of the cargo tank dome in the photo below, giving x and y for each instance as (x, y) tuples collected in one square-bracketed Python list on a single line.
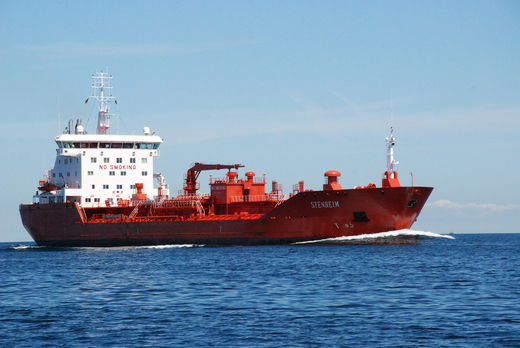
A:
[(332, 173)]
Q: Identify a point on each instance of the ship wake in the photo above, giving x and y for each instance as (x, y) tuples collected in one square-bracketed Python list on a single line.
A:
[(404, 236), (49, 248)]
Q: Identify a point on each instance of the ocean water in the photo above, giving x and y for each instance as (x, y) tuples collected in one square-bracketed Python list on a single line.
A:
[(461, 292)]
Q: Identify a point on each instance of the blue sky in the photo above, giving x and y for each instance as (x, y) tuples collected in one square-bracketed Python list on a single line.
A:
[(289, 88)]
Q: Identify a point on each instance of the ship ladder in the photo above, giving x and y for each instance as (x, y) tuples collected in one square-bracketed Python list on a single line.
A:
[(134, 212), (200, 208), (281, 199), (81, 212)]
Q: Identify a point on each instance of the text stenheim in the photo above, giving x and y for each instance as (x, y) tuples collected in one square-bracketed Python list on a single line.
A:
[(325, 204)]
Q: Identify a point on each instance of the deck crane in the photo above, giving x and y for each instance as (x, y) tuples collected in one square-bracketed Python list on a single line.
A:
[(190, 183)]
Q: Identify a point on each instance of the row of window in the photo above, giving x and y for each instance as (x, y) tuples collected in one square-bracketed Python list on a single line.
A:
[(67, 161), (96, 200), (141, 146), (105, 160), (113, 173), (118, 187), (118, 160), (61, 175), (88, 200)]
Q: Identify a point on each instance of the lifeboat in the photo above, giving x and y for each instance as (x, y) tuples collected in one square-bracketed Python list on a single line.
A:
[(46, 186)]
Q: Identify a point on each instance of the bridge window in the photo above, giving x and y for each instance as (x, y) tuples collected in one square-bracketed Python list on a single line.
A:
[(93, 145), (104, 145), (128, 145), (83, 145), (146, 146), (117, 145)]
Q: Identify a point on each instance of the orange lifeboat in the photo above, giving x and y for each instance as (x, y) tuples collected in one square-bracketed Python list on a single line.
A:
[(46, 186)]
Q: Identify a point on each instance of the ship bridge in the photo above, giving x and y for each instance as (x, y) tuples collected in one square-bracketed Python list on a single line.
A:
[(100, 169), (73, 143)]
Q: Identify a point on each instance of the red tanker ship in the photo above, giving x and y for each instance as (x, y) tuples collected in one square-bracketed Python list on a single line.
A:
[(100, 193)]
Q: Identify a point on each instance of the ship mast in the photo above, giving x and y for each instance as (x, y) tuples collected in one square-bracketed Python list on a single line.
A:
[(102, 92), (390, 176), (390, 143)]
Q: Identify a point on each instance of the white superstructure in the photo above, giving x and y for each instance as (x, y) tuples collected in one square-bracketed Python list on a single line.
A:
[(101, 169)]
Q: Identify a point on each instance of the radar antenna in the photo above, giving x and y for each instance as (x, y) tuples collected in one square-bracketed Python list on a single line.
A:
[(102, 93)]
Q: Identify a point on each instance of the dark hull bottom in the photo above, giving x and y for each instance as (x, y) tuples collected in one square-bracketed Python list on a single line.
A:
[(298, 219)]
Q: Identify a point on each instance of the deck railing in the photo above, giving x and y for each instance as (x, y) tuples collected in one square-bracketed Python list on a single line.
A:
[(258, 198), (256, 180)]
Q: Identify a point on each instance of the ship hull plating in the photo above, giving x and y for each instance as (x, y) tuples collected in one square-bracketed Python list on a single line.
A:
[(307, 216)]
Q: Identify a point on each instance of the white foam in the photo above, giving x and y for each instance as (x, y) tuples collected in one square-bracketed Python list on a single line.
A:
[(169, 246), (24, 247), (166, 246), (397, 233)]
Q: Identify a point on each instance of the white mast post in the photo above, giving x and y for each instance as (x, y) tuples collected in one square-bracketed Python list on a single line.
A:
[(102, 83), (390, 161)]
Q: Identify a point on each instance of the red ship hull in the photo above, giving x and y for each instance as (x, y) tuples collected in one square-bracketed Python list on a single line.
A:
[(307, 216)]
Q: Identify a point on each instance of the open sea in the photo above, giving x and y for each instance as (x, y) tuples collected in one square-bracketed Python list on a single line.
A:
[(441, 292)]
